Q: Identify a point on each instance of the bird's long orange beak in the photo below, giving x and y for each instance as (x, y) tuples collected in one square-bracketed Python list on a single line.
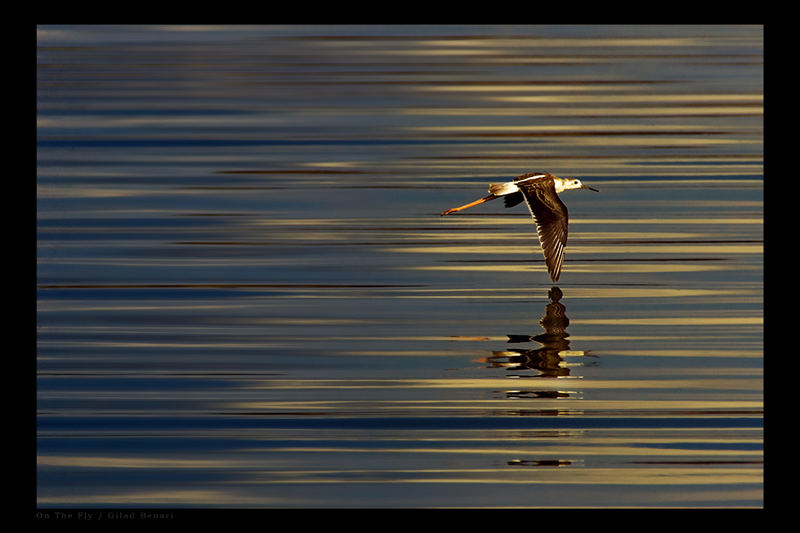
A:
[(476, 202)]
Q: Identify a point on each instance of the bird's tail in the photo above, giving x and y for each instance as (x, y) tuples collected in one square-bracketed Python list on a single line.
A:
[(501, 189)]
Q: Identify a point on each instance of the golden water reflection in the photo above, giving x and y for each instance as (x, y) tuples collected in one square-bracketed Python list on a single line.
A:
[(247, 297)]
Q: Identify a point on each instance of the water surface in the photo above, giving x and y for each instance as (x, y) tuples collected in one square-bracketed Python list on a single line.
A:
[(247, 298)]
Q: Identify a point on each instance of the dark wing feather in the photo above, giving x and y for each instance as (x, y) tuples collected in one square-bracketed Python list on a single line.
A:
[(513, 199), (551, 217)]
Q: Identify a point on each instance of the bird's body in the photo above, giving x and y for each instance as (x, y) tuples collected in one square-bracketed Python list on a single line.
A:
[(540, 192)]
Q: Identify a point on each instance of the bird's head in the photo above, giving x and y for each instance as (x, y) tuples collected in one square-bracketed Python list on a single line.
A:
[(565, 184)]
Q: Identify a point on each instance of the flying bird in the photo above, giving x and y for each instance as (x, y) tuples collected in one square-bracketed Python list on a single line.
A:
[(540, 192)]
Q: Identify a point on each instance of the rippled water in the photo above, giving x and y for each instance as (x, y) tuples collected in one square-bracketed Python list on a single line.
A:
[(247, 297)]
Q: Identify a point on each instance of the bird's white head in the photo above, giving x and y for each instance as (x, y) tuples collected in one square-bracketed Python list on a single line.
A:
[(565, 184)]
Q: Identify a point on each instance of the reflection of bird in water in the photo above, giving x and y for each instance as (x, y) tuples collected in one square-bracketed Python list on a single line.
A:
[(540, 192), (547, 360)]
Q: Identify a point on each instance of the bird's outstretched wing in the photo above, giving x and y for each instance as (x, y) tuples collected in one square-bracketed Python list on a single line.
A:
[(551, 217)]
